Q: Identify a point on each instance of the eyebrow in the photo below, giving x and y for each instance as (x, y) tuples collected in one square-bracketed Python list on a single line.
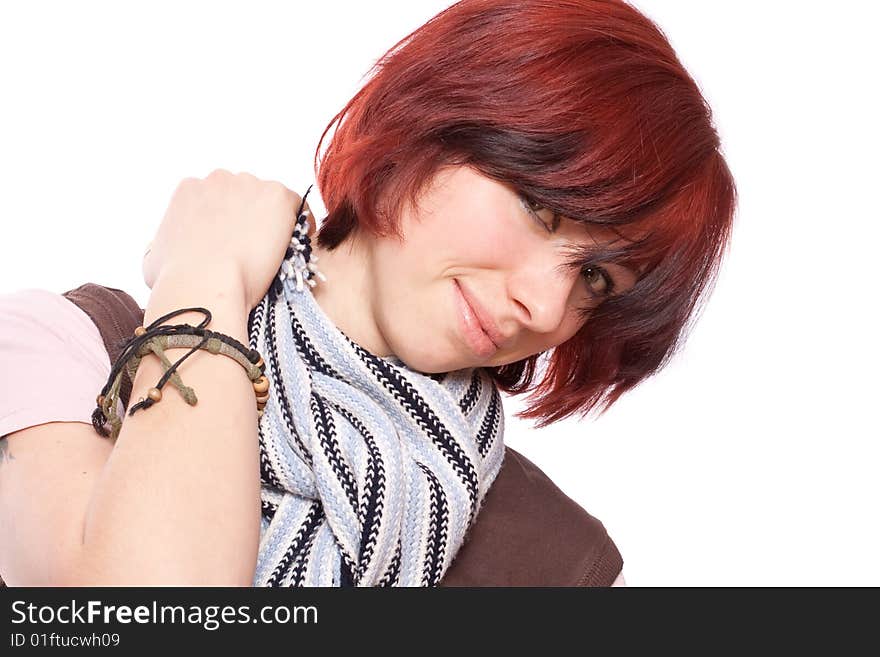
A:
[(583, 256), (598, 250)]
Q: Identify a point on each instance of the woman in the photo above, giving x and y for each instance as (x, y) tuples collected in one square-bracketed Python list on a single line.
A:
[(516, 180)]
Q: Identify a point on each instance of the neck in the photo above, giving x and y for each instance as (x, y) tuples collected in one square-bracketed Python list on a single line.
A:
[(347, 296)]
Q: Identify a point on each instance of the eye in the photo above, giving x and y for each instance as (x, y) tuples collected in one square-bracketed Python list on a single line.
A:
[(534, 208), (599, 281)]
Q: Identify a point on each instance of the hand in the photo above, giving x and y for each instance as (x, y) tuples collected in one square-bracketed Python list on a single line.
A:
[(222, 222)]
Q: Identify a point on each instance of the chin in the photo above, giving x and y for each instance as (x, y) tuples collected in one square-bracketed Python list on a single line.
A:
[(428, 361), (425, 365)]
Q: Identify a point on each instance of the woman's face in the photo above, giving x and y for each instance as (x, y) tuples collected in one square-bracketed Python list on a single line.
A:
[(473, 237)]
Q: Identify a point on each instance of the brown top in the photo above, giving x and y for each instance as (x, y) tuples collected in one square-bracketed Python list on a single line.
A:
[(527, 533), (530, 533)]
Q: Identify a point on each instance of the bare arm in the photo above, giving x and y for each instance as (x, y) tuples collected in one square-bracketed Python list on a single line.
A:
[(175, 501), (178, 499)]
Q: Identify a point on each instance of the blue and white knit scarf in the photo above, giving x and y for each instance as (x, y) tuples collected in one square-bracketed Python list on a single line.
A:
[(372, 472)]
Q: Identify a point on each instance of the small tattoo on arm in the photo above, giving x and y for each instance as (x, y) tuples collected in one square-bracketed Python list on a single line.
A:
[(5, 454)]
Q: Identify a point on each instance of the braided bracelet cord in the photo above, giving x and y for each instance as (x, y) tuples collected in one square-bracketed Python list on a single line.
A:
[(156, 339)]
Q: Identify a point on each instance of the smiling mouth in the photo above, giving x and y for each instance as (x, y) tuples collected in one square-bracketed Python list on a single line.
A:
[(475, 336)]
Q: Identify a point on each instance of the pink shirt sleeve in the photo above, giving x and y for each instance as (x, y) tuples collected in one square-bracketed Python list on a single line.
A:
[(52, 359)]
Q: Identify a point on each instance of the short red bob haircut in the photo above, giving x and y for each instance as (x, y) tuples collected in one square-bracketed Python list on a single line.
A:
[(581, 105)]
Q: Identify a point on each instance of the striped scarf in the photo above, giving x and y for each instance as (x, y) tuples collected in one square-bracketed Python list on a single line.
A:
[(371, 472)]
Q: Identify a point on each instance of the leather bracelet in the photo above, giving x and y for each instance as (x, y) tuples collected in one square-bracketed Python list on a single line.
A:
[(156, 339)]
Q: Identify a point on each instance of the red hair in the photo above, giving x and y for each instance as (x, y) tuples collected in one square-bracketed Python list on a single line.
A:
[(583, 106)]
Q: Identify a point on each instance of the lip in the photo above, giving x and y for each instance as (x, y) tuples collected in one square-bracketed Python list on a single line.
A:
[(472, 327)]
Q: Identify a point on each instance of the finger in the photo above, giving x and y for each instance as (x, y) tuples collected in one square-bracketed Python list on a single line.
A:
[(296, 200)]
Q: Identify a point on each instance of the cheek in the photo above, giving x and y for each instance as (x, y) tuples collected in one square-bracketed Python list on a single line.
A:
[(476, 240), (454, 239), (575, 319)]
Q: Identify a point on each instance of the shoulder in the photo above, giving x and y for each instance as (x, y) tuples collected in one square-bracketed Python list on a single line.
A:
[(530, 533), (115, 312), (53, 359)]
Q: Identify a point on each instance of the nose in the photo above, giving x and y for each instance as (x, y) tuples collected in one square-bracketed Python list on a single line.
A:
[(541, 289)]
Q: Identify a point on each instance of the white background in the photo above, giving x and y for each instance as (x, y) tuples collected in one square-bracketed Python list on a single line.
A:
[(751, 460)]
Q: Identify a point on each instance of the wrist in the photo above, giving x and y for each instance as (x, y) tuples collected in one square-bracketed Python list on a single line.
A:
[(220, 292)]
